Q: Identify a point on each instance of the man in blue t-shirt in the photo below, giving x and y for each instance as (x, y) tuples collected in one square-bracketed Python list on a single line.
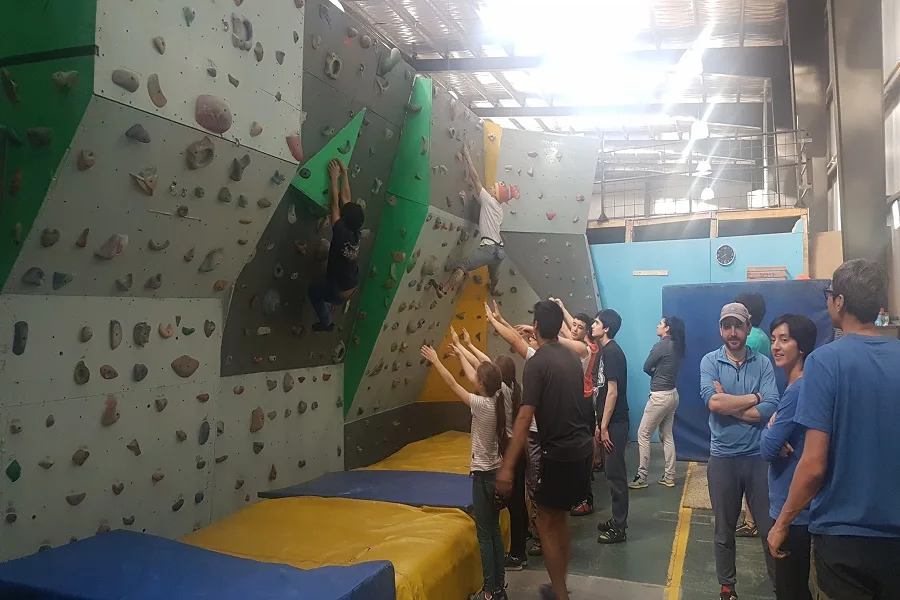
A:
[(850, 406), (738, 386)]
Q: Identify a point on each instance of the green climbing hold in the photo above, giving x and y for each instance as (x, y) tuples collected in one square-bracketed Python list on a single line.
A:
[(187, 330), (14, 471)]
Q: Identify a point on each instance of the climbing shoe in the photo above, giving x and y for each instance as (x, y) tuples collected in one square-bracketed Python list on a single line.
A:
[(727, 594), (582, 509), (638, 483), (535, 549), (606, 525), (613, 535), (437, 288), (514, 563), (747, 530)]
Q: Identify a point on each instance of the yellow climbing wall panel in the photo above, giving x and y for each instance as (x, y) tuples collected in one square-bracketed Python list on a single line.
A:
[(492, 134)]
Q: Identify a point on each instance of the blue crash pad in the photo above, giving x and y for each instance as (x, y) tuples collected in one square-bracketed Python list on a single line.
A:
[(699, 306), (124, 565), (415, 488)]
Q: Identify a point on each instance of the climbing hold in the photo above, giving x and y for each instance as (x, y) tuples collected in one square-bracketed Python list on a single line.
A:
[(255, 129), (264, 203), (185, 366), (85, 160), (279, 57), (257, 420), (82, 373), (33, 276), (530, 171), (212, 113), (426, 146), (272, 414), (146, 180), (292, 215), (273, 472), (414, 108), (579, 197), (551, 215), (134, 446), (10, 87), (141, 333), (153, 283), (45, 463), (388, 62), (139, 372), (20, 337), (203, 433), (224, 195), (187, 331), (220, 285), (165, 331), (160, 44), (295, 146), (213, 259), (333, 65), (177, 505), (60, 280), (137, 132), (157, 476), (208, 328), (189, 15), (115, 334), (232, 80), (157, 246), (238, 166), (345, 148), (49, 237), (39, 136), (198, 497), (161, 404), (203, 397), (126, 79), (75, 499), (15, 427), (80, 456), (575, 219), (108, 372), (14, 471), (155, 91), (200, 153), (288, 382)]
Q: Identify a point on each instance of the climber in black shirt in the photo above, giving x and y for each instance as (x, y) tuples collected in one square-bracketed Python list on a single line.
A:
[(342, 273)]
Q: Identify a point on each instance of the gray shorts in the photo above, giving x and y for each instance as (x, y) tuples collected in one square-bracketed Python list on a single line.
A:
[(489, 255)]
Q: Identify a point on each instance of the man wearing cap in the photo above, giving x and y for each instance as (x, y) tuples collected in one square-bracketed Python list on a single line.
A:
[(738, 386), (490, 253)]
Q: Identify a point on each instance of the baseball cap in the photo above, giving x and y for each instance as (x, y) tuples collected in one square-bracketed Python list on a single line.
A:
[(736, 310)]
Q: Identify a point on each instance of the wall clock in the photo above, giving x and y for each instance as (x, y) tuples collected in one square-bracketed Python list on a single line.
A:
[(725, 255)]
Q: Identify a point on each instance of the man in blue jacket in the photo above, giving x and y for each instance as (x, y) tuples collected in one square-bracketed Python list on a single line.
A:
[(738, 386)]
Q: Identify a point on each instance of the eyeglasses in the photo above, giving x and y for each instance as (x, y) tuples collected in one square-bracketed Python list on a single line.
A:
[(829, 292)]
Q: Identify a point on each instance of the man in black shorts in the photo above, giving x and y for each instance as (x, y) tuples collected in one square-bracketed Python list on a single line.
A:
[(552, 394)]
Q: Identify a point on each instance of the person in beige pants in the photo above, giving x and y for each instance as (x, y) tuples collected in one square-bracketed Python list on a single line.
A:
[(662, 366)]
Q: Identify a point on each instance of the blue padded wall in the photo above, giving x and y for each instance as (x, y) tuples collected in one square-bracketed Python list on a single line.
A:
[(699, 306), (639, 298)]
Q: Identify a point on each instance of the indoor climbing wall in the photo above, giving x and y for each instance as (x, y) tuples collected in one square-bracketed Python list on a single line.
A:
[(355, 92), (140, 177)]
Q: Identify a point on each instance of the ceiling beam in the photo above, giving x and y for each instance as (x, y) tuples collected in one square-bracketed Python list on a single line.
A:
[(747, 114)]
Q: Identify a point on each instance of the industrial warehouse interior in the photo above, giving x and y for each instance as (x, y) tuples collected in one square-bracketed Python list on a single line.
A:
[(289, 291)]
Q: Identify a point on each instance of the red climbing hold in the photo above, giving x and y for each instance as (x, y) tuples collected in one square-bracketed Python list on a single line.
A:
[(295, 145)]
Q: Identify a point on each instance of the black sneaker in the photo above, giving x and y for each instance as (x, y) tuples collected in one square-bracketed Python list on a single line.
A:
[(513, 563), (727, 594), (500, 595), (318, 327), (606, 525), (747, 530), (613, 535)]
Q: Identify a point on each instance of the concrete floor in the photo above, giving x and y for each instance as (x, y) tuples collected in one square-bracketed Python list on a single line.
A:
[(638, 569)]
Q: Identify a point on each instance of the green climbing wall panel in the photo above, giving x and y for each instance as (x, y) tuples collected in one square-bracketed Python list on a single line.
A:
[(46, 26), (399, 231), (340, 146), (411, 175), (28, 167)]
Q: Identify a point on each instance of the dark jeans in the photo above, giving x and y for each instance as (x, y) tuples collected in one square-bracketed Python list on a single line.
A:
[(616, 473), (487, 529), (591, 416), (729, 479), (518, 513), (792, 571), (321, 294), (857, 568)]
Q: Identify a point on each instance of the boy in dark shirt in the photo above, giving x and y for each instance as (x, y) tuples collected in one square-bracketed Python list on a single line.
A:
[(342, 273)]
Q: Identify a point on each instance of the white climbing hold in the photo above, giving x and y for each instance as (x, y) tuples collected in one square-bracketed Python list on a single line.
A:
[(126, 79)]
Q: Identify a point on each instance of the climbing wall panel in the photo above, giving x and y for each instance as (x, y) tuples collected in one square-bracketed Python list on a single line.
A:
[(140, 190), (48, 27), (517, 308), (378, 436), (209, 49), (411, 176), (31, 164), (555, 265), (275, 438), (46, 370), (290, 335), (332, 37), (555, 178), (469, 315), (395, 372), (453, 126), (79, 477)]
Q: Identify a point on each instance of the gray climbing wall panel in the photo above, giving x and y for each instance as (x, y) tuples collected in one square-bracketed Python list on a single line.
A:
[(327, 31), (378, 436), (452, 126), (395, 372), (555, 177), (47, 418), (515, 306), (557, 265), (301, 433), (195, 50), (107, 199), (296, 347)]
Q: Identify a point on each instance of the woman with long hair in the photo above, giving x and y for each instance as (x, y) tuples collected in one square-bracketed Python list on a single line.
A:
[(781, 443), (662, 366), (489, 439)]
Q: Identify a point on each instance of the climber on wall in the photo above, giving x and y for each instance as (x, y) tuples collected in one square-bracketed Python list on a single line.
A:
[(490, 252), (342, 272)]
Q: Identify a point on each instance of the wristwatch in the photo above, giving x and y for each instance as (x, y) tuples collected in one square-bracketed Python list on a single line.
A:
[(758, 397)]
